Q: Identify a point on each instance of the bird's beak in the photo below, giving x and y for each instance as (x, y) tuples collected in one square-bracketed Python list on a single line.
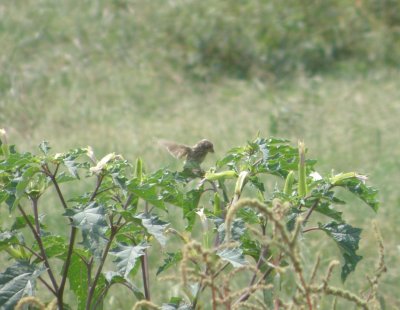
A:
[(212, 150)]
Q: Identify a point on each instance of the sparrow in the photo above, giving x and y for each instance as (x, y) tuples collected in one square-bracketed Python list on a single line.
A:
[(193, 156)]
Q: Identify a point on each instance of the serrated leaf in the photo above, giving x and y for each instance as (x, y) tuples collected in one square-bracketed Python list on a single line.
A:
[(191, 201), (24, 180), (154, 226), (77, 277), (113, 277), (63, 178), (149, 193), (171, 260), (91, 221), (366, 193), (250, 247), (327, 209), (176, 303), (237, 230), (126, 257), (347, 239), (16, 282), (71, 166), (20, 222), (8, 238), (232, 255), (44, 147), (55, 246), (17, 160)]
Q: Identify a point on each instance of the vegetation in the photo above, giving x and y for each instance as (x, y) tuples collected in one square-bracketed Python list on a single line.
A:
[(122, 216), (119, 75)]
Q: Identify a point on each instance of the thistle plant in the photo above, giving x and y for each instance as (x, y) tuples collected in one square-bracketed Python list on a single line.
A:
[(241, 247)]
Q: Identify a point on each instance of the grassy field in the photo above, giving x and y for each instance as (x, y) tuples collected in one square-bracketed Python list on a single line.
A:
[(105, 74)]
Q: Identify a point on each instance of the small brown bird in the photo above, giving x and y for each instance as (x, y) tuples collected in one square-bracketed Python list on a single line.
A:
[(194, 155)]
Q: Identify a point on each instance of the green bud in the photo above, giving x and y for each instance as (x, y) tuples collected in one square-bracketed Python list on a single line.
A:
[(4, 143), (241, 182), (289, 183), (214, 176), (217, 205), (139, 169), (302, 185)]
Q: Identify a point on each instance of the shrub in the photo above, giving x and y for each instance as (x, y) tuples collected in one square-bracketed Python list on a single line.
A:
[(246, 250)]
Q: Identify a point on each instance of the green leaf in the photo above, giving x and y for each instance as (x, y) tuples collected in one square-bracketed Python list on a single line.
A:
[(238, 228), (115, 278), (366, 193), (91, 221), (250, 247), (72, 167), (327, 209), (149, 193), (347, 239), (8, 238), (44, 147), (55, 246), (126, 257), (77, 277), (154, 226), (191, 201), (17, 281), (24, 180), (176, 303), (17, 160), (20, 222), (171, 260), (232, 255), (63, 178)]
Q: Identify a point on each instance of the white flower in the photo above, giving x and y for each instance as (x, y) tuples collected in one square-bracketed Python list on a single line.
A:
[(3, 135), (101, 164), (90, 154), (315, 176), (362, 178), (203, 219)]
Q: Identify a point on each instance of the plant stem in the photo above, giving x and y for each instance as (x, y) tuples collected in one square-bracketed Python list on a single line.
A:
[(145, 275), (311, 229), (41, 247), (99, 181), (92, 286), (312, 208), (36, 214), (47, 285), (72, 238)]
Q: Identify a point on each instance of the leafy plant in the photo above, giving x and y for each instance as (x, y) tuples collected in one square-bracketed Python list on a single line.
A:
[(228, 239)]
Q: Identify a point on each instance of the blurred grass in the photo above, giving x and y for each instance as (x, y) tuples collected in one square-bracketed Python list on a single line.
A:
[(118, 75)]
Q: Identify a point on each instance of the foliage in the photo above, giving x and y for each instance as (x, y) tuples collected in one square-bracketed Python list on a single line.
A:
[(254, 38), (120, 221)]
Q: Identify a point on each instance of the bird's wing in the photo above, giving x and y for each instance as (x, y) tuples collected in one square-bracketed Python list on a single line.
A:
[(175, 149)]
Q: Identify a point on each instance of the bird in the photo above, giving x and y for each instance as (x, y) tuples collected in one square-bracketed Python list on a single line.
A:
[(193, 155)]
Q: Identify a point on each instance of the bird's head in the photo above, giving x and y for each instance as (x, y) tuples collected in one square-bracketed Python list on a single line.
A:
[(205, 145)]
